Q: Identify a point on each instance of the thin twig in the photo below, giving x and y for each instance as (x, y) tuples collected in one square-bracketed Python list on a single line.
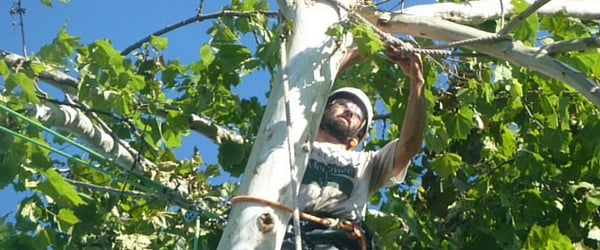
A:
[(201, 8), (572, 45), (104, 189), (197, 18), (522, 16)]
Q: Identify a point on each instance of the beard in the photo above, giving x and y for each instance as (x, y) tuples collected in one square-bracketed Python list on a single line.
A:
[(338, 128)]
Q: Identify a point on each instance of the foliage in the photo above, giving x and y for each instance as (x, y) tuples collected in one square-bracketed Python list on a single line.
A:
[(511, 158)]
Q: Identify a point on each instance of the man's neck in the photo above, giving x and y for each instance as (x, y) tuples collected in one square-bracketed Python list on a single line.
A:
[(323, 136)]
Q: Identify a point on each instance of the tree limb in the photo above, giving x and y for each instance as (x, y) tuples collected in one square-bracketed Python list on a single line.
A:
[(476, 12), (74, 121), (515, 52), (218, 134), (64, 82), (572, 45), (198, 18)]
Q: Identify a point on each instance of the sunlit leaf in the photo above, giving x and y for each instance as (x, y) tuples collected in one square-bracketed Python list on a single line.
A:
[(459, 124), (447, 165), (63, 188), (61, 48), (27, 86), (367, 41), (527, 30), (547, 238), (68, 216), (206, 54), (159, 43)]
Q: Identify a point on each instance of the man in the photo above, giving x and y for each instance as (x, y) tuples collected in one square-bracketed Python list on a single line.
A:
[(338, 180)]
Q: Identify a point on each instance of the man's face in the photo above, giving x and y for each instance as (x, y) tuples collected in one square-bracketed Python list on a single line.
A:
[(343, 119)]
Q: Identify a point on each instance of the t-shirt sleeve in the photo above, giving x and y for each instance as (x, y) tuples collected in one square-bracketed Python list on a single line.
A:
[(382, 165)]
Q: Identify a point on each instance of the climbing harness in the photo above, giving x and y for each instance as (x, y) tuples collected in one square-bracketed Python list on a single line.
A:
[(353, 229)]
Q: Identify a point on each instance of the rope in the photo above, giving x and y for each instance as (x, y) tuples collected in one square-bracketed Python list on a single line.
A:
[(407, 48), (291, 150)]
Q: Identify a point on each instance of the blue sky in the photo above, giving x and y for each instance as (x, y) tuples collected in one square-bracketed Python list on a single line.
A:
[(123, 23)]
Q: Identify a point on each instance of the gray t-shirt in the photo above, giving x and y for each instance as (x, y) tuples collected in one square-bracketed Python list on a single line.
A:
[(339, 182)]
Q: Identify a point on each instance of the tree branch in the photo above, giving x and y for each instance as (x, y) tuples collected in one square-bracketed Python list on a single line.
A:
[(64, 82), (572, 45), (198, 18), (74, 121), (514, 52), (216, 133), (476, 12)]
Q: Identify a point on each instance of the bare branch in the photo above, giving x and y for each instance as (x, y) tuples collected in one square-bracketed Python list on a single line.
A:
[(64, 82), (572, 45), (197, 18), (522, 16), (216, 133), (74, 121)]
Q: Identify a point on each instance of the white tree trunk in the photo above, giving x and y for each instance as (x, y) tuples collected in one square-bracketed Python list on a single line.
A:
[(313, 61)]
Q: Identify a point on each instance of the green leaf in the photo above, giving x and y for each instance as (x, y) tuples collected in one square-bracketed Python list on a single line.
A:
[(67, 216), (231, 156), (336, 31), (63, 188), (581, 185), (547, 238), (459, 124), (527, 30), (104, 55), (509, 141), (447, 164), (159, 43), (61, 48), (367, 41), (248, 5), (47, 3), (4, 70), (206, 54), (27, 86)]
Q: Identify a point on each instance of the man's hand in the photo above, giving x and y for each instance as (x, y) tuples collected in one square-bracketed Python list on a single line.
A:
[(411, 64)]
